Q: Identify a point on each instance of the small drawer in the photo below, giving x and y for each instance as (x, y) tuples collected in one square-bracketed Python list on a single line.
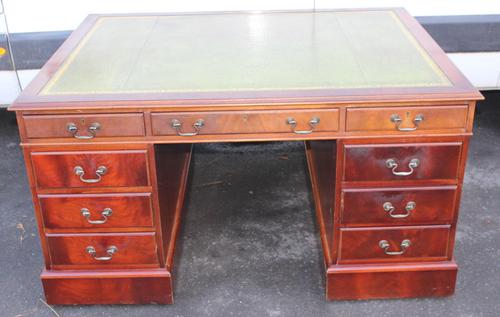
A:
[(300, 122), (90, 169), (84, 126), (407, 119), (96, 211), (397, 206), (103, 249), (426, 243), (379, 162)]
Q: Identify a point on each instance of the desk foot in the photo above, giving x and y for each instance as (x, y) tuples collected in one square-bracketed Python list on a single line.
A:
[(348, 282), (108, 287)]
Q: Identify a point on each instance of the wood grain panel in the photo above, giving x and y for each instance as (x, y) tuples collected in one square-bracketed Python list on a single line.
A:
[(368, 162), (433, 205), (124, 168), (362, 244), (111, 125), (395, 281), (132, 248), (232, 122), (172, 170), (128, 210), (321, 159), (115, 287), (434, 118)]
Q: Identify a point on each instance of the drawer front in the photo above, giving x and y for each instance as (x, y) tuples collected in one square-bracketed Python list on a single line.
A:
[(407, 119), (306, 122), (103, 249), (85, 126), (96, 211), (90, 169), (402, 161), (428, 243), (397, 206)]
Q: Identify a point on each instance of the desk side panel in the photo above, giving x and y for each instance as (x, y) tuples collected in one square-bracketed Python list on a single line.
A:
[(321, 158), (172, 167)]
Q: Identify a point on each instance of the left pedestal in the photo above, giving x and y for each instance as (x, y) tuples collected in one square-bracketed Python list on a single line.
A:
[(108, 217)]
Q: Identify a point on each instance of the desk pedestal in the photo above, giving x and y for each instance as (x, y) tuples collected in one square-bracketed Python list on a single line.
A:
[(387, 232)]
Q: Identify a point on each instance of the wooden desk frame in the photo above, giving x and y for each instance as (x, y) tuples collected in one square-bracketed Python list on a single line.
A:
[(69, 277)]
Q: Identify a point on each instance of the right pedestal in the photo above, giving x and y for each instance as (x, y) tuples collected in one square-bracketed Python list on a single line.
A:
[(387, 212)]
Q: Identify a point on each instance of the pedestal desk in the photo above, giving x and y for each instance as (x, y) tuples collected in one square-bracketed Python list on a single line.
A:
[(108, 124)]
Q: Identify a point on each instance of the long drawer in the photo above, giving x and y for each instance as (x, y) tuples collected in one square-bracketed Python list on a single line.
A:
[(379, 162), (103, 249), (90, 169), (96, 211), (423, 243), (231, 122), (84, 126), (407, 119), (398, 206)]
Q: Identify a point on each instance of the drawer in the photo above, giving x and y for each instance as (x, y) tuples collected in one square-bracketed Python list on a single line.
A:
[(103, 249), (97, 211), (90, 169), (302, 122), (397, 206), (425, 243), (378, 162), (84, 126), (407, 119)]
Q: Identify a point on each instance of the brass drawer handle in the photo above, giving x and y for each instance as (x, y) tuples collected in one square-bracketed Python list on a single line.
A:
[(105, 214), (312, 123), (396, 119), (177, 125), (101, 170), (384, 244), (391, 163), (73, 129), (110, 251), (410, 206)]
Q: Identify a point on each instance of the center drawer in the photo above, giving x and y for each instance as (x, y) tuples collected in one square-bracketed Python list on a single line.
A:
[(230, 122), (96, 211), (103, 249), (90, 169), (422, 243), (379, 162)]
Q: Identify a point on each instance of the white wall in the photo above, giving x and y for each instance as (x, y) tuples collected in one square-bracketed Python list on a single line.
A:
[(55, 15), (482, 69), (421, 7)]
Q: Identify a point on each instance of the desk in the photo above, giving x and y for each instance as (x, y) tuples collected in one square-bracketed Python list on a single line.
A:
[(108, 124)]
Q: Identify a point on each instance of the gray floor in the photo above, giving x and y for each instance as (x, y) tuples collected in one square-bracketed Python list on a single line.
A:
[(249, 245)]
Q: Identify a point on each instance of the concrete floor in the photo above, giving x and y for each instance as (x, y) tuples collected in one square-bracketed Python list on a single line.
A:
[(249, 244)]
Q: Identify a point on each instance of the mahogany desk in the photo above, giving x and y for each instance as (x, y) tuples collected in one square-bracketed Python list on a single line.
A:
[(108, 124)]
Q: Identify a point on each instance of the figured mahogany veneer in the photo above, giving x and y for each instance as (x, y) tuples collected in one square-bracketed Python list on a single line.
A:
[(368, 162), (132, 249), (57, 169), (347, 282), (365, 207), (362, 244), (130, 286), (433, 118), (64, 212), (387, 136), (110, 125), (247, 121)]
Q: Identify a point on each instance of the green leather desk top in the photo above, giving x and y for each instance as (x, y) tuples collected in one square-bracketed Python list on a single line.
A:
[(245, 52)]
